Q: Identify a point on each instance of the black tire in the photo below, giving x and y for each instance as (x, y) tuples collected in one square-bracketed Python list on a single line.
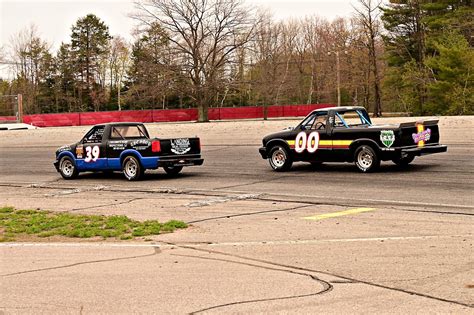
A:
[(131, 168), (67, 168), (172, 170), (366, 159), (403, 162), (280, 159), (316, 165)]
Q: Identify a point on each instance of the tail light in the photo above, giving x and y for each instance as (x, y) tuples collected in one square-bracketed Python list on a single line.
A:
[(155, 146)]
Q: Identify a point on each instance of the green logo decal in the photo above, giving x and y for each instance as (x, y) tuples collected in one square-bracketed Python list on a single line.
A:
[(387, 137)]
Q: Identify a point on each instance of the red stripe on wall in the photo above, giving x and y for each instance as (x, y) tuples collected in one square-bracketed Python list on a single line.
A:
[(168, 115)]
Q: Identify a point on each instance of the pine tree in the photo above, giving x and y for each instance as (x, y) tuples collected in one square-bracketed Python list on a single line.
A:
[(89, 44)]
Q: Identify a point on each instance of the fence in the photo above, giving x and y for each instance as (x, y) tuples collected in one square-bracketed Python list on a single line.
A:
[(167, 115)]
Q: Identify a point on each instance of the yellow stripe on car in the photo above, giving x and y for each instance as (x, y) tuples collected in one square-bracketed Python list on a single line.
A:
[(341, 142), (326, 142)]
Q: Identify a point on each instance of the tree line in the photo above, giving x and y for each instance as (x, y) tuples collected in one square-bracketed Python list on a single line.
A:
[(405, 55)]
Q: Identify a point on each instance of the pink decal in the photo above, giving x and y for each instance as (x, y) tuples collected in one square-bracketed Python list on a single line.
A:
[(422, 136)]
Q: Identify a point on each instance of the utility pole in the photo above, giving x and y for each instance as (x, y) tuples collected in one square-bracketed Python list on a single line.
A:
[(338, 74), (20, 108)]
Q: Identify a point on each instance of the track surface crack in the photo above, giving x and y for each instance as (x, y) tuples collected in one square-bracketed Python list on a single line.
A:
[(326, 286), (155, 252), (346, 278)]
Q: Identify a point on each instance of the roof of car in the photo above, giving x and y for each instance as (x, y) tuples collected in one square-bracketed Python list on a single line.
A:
[(120, 124), (340, 108)]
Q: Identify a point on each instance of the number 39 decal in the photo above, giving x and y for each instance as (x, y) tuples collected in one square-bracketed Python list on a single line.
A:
[(92, 154), (305, 142)]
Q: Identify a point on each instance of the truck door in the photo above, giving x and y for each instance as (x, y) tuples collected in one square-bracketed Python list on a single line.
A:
[(312, 142), (91, 152)]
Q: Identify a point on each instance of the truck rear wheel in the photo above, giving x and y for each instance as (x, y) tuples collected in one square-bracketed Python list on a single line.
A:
[(131, 168), (279, 159), (67, 168), (366, 159), (172, 170), (403, 161)]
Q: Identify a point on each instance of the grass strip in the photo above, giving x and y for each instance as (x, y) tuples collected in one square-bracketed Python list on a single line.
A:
[(16, 223)]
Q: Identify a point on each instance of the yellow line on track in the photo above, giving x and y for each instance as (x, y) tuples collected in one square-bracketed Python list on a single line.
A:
[(339, 214)]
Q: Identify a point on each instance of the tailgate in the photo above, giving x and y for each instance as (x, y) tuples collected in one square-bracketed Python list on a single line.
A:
[(180, 146), (419, 133)]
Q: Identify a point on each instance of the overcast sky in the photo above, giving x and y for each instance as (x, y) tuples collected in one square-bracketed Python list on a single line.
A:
[(54, 18)]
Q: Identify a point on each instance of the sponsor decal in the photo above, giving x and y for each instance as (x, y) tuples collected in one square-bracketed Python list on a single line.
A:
[(141, 144), (180, 146), (422, 136), (118, 145), (64, 148), (387, 137), (79, 151)]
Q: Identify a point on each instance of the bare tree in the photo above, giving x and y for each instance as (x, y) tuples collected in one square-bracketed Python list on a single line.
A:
[(119, 60), (206, 34), (368, 17), (30, 55)]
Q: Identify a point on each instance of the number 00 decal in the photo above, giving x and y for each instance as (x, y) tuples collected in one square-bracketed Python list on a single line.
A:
[(92, 154), (304, 142)]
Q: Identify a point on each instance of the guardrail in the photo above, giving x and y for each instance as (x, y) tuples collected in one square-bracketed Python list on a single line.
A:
[(166, 115)]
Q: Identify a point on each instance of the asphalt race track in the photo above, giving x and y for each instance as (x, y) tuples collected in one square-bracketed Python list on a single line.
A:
[(312, 240)]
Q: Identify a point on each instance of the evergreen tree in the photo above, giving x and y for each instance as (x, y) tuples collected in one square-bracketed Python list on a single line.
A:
[(150, 75), (428, 58), (89, 45), (452, 90)]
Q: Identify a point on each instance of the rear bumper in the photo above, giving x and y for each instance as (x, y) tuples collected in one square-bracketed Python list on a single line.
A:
[(180, 161), (263, 152), (419, 151)]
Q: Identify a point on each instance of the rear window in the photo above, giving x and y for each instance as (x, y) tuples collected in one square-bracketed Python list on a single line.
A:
[(128, 132)]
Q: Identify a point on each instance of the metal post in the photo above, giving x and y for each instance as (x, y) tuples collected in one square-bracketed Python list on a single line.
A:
[(338, 80), (20, 108)]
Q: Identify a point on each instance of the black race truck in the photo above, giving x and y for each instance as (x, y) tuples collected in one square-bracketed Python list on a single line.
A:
[(346, 134), (126, 147)]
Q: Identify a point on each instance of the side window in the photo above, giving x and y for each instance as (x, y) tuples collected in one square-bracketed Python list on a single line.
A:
[(320, 121), (308, 122), (338, 122), (128, 132), (94, 135), (315, 121)]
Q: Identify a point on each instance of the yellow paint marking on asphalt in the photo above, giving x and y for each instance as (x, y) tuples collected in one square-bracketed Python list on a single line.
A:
[(339, 214)]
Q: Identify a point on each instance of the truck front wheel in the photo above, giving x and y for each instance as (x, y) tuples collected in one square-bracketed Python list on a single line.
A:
[(131, 168), (366, 159), (279, 159), (67, 168)]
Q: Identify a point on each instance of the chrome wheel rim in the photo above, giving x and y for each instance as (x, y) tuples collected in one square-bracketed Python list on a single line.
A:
[(131, 168), (67, 167), (278, 158), (365, 159)]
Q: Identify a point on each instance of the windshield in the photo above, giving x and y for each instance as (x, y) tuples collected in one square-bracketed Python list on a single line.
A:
[(352, 118)]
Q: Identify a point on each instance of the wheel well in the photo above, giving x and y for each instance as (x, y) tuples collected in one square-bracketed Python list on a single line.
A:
[(355, 145), (273, 143), (69, 155), (134, 154)]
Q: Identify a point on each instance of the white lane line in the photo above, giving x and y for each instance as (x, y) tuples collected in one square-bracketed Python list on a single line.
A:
[(223, 244)]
